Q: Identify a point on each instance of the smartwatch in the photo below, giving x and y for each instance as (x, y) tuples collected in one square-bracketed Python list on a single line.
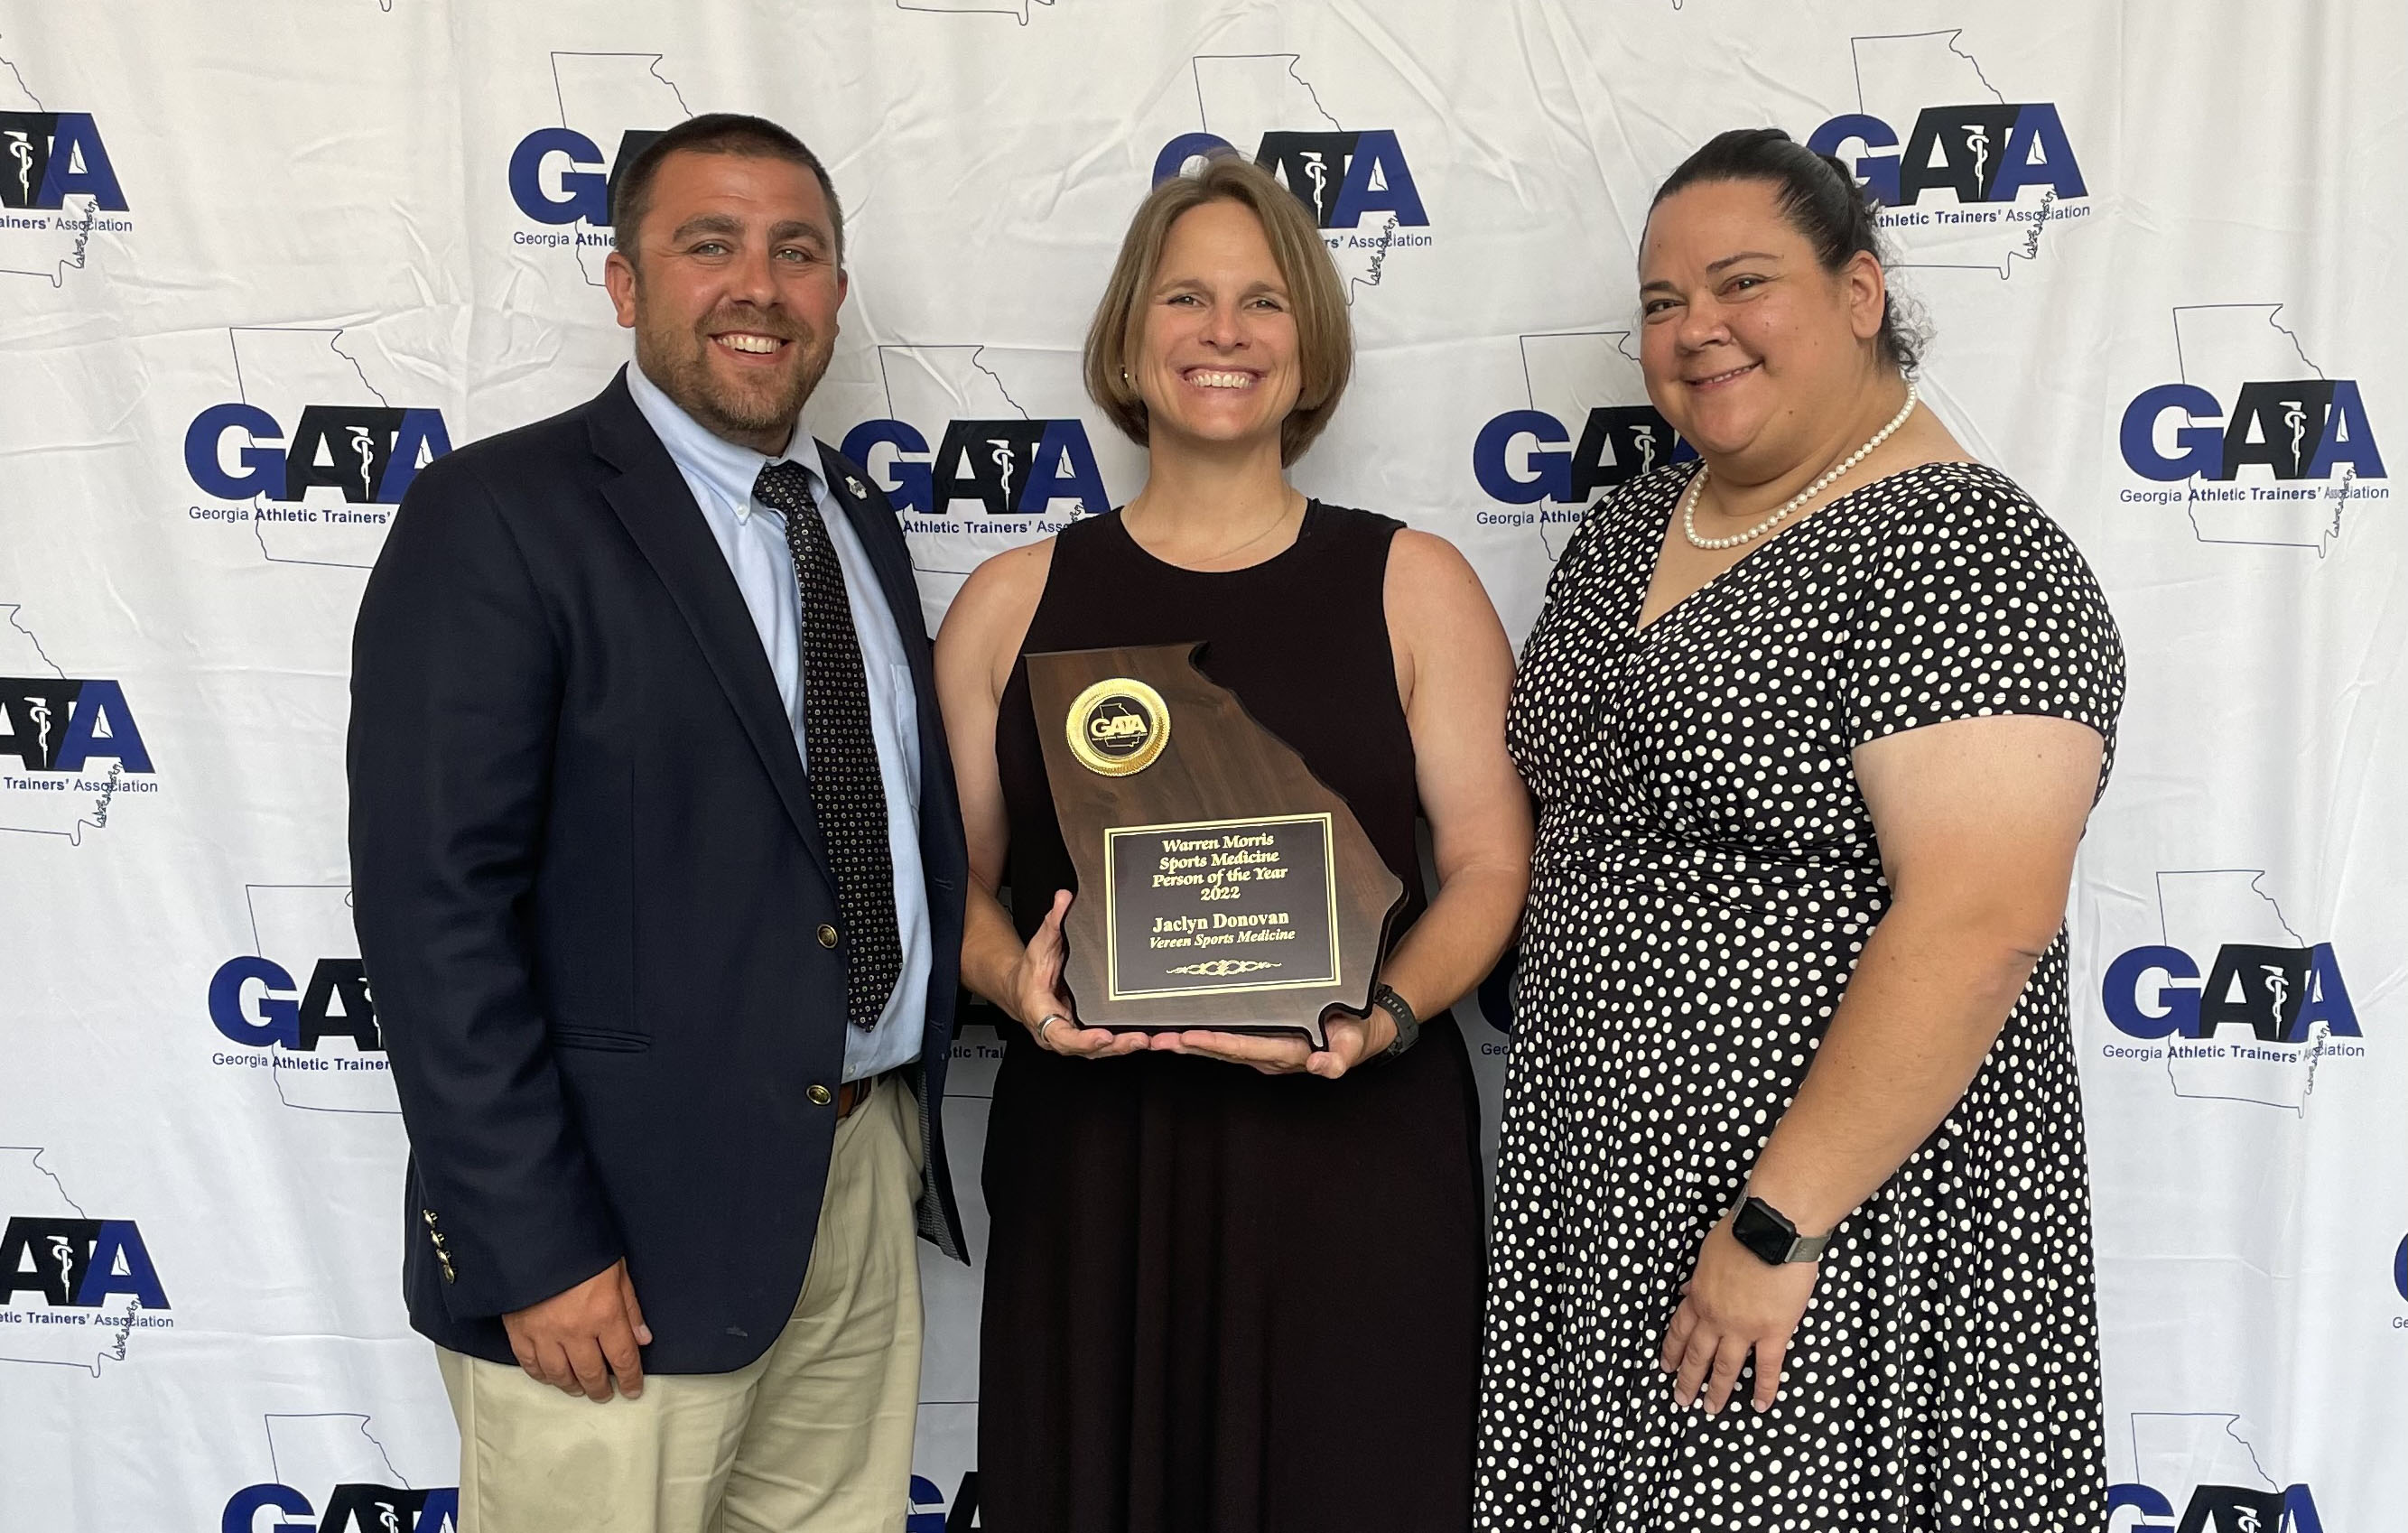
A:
[(1767, 1232), (1409, 1026)]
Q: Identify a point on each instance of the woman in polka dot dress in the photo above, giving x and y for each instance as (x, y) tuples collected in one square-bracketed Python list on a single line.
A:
[(1792, 1124)]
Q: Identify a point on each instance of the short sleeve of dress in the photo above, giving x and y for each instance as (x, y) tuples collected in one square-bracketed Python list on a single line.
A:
[(1977, 603)]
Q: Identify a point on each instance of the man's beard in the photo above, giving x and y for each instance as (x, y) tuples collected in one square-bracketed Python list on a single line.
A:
[(680, 363)]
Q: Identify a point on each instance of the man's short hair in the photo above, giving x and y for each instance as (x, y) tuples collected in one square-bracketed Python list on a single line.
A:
[(1324, 338), (712, 132)]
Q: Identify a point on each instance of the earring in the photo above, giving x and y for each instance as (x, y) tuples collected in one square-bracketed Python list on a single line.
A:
[(1125, 378)]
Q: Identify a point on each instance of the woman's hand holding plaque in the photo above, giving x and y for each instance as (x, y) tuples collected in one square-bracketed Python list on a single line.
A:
[(1045, 1008)]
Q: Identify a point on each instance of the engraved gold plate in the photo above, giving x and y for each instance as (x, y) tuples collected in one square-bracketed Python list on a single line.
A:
[(1118, 728)]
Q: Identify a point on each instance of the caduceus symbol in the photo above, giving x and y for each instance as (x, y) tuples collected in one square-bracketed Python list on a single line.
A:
[(2247, 1520), (41, 715), (389, 1517), (63, 1252), (364, 443), (1646, 450), (1977, 139), (1002, 459), (23, 148), (2279, 985), (1317, 170), (2295, 415)]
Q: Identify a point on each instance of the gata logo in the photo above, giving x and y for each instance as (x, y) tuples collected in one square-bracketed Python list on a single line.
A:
[(1979, 153), (255, 1002), (2300, 428), (369, 454), (2231, 1001), (302, 986), (77, 1264), (611, 107), (323, 492), (1526, 455), (74, 1286), (62, 724), (1354, 181), (1340, 177), (1533, 456), (69, 746), (1966, 178), (979, 448), (48, 157), (2276, 995), (58, 188), (2252, 438), (1009, 467)]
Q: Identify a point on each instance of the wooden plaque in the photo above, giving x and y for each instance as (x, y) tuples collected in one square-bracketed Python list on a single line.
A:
[(1221, 884)]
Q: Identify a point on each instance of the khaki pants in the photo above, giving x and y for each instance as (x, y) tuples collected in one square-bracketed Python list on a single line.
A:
[(814, 1434)]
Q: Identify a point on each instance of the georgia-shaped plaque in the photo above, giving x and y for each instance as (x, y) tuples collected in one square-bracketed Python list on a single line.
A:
[(1221, 884)]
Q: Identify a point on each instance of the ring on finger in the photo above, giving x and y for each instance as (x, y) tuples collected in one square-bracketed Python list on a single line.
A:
[(1049, 1020)]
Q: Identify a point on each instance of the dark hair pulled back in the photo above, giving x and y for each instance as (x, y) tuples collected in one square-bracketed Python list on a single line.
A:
[(1822, 201)]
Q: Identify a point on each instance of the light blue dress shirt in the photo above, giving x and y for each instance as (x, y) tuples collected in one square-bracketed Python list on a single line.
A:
[(754, 539)]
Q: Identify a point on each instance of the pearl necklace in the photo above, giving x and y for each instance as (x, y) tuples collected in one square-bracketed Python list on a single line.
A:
[(1689, 501)]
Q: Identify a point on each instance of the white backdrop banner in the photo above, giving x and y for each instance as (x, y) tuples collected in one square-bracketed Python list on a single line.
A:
[(260, 261)]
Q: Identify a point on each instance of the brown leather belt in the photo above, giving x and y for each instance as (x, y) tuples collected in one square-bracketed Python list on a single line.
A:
[(852, 1093)]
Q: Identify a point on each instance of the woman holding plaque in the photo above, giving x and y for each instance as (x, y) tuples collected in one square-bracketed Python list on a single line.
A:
[(1792, 1120), (1234, 1282)]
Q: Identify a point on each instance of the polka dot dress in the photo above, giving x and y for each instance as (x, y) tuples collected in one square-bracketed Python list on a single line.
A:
[(1706, 877)]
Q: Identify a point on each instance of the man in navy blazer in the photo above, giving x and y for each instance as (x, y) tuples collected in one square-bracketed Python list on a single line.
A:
[(658, 874)]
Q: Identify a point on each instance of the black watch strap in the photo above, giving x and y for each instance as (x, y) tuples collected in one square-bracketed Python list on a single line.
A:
[(1409, 1026), (1769, 1233)]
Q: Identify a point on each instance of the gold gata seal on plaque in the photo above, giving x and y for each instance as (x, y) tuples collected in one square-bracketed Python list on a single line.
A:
[(1118, 727)]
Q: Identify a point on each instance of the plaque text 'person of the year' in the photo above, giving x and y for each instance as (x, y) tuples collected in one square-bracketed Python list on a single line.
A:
[(1221, 884)]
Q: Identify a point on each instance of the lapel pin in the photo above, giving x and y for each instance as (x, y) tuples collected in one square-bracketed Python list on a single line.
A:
[(857, 487)]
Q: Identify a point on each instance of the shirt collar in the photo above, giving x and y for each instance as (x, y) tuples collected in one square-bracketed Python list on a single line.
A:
[(699, 452)]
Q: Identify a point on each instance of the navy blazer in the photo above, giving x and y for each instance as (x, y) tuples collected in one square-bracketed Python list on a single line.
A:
[(586, 877)]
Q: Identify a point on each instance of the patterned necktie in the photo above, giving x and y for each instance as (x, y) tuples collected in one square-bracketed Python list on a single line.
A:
[(840, 753)]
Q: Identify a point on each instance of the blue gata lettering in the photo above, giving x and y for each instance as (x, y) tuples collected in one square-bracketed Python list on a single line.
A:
[(557, 176), (77, 1263), (1519, 456), (48, 157), (1986, 153), (1342, 178), (251, 1001), (2301, 429), (2277, 993), (369, 453), (62, 724), (1010, 467)]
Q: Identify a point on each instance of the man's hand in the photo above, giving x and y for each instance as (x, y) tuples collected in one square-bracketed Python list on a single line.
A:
[(579, 1340)]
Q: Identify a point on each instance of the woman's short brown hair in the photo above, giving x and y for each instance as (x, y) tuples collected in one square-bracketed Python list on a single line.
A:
[(1324, 338)]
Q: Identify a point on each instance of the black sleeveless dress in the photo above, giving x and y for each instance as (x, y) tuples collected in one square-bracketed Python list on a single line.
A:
[(1218, 1300)]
